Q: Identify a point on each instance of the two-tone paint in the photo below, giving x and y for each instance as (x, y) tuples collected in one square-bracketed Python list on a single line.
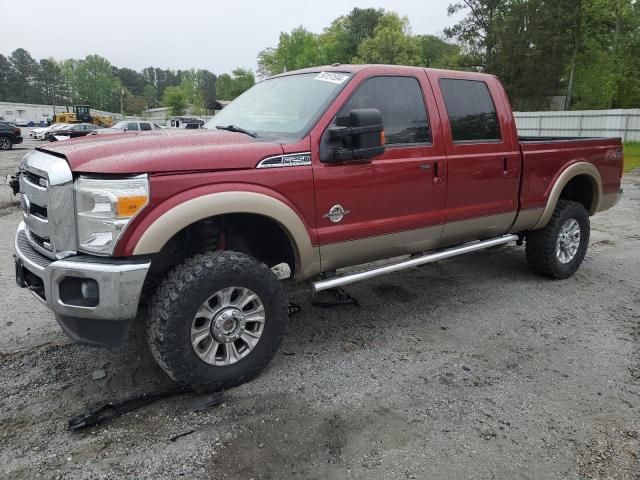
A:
[(411, 199)]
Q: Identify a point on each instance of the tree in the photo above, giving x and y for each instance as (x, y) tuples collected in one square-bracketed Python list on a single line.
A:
[(131, 80), (438, 53), (92, 81), (527, 43), (150, 95), (51, 81), (607, 58), (175, 99), (478, 31), (208, 87), (134, 104), (391, 43), (229, 87), (5, 67), (21, 78), (295, 50), (340, 41)]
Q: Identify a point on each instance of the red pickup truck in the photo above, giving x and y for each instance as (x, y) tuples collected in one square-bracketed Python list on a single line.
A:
[(317, 169)]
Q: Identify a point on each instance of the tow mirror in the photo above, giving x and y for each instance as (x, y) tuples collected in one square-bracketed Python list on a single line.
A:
[(358, 136)]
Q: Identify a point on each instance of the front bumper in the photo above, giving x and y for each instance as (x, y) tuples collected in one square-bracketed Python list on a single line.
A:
[(103, 318)]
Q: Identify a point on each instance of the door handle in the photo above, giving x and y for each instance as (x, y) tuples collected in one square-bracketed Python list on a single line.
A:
[(437, 179)]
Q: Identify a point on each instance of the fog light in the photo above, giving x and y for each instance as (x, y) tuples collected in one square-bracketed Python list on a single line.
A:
[(79, 292), (89, 290)]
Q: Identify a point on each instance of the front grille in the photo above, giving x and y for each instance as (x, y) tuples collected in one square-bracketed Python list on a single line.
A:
[(45, 182), (38, 211)]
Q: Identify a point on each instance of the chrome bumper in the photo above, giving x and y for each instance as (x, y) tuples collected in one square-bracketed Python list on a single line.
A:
[(119, 286)]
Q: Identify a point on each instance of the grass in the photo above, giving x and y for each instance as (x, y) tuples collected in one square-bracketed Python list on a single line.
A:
[(631, 156)]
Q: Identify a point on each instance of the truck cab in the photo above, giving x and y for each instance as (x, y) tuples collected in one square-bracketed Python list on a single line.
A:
[(313, 171)]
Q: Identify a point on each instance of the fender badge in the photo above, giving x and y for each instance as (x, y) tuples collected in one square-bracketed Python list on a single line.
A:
[(336, 214)]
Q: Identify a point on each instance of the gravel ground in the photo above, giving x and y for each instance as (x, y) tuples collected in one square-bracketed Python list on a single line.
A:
[(469, 368)]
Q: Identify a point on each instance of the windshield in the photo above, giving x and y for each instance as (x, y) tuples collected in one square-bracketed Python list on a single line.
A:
[(120, 125), (282, 106)]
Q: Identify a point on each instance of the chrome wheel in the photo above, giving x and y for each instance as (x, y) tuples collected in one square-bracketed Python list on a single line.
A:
[(5, 143), (568, 241), (227, 326)]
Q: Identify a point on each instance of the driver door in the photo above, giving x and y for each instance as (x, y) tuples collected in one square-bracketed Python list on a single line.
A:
[(392, 204)]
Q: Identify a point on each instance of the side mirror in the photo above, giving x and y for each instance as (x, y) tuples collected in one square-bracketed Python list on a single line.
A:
[(359, 136)]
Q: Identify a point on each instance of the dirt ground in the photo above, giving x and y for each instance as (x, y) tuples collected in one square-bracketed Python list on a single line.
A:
[(469, 368)]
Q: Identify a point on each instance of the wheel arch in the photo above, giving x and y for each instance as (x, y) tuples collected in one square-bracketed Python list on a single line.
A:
[(579, 182), (187, 213)]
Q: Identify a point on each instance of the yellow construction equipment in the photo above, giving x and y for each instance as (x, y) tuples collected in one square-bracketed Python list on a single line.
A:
[(82, 114)]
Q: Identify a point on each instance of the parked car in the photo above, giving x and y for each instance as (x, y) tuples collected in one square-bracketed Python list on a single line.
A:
[(128, 126), (70, 131), (10, 135), (40, 132), (318, 169), (188, 123)]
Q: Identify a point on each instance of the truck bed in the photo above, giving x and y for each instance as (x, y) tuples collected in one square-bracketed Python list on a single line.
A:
[(545, 158)]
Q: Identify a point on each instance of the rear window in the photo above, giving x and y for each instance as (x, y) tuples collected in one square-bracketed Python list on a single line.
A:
[(472, 114)]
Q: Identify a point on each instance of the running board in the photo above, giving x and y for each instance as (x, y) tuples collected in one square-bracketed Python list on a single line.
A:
[(412, 262)]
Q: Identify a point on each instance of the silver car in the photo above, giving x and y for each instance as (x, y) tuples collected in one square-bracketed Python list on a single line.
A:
[(128, 126)]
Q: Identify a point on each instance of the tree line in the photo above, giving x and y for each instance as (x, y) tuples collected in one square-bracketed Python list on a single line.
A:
[(585, 50), (96, 82)]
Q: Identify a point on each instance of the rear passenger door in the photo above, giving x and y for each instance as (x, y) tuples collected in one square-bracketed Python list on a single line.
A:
[(483, 158), (394, 203)]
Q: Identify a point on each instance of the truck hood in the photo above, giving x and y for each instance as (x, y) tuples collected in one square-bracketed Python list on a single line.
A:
[(163, 151)]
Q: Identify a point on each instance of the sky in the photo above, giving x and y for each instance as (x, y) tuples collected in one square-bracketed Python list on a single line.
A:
[(181, 34)]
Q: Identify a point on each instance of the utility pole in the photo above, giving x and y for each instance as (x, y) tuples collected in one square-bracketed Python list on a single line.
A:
[(122, 102), (576, 47)]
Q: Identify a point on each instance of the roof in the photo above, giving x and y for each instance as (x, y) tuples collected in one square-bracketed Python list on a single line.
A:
[(379, 68)]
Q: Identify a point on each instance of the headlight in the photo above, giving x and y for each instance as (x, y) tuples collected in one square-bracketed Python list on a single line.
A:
[(104, 208)]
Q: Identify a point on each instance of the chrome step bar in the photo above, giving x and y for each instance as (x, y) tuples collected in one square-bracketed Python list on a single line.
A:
[(412, 262)]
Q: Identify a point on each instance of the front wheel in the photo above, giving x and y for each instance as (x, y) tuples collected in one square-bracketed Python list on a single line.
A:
[(558, 249), (217, 320), (5, 143)]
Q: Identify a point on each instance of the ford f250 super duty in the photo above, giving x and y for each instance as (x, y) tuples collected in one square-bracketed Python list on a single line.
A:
[(318, 169)]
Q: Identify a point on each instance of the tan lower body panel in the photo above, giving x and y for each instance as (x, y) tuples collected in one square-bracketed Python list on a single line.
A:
[(526, 220), (355, 252), (476, 228), (609, 200)]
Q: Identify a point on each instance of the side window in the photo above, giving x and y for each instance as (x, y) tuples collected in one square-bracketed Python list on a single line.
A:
[(132, 126), (471, 111), (145, 126), (401, 104)]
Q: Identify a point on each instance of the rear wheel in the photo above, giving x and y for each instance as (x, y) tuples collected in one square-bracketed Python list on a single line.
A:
[(6, 143), (558, 249), (217, 320)]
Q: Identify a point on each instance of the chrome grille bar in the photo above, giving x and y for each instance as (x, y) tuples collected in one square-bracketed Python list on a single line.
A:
[(46, 184)]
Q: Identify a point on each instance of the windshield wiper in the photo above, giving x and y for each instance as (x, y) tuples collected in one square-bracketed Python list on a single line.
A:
[(235, 128)]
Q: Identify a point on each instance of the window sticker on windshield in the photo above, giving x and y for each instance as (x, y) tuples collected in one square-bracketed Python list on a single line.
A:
[(332, 77)]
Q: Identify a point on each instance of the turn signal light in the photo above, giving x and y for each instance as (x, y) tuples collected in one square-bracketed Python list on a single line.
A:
[(383, 138), (128, 206)]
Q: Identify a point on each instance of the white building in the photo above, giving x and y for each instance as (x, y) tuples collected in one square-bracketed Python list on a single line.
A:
[(29, 114)]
